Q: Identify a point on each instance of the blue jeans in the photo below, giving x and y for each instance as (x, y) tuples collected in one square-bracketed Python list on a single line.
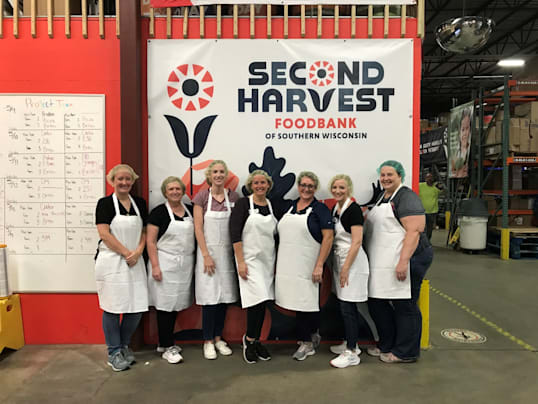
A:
[(399, 321), (119, 335), (213, 317)]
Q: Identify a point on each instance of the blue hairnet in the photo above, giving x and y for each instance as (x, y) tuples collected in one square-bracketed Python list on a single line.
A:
[(394, 164)]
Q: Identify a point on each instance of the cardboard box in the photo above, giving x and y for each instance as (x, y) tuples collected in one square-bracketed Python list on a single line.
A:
[(492, 201), (518, 203), (533, 137), (524, 135), (490, 135), (513, 137), (516, 220), (528, 110)]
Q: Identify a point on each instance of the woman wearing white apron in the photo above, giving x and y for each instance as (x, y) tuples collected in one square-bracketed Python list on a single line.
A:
[(400, 254), (252, 230), (120, 271), (215, 276), (350, 269), (170, 244), (306, 236)]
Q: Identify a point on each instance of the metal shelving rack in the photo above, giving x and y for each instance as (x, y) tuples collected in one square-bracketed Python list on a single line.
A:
[(508, 96)]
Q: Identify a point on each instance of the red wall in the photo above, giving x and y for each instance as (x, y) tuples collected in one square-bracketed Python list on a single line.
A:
[(79, 66)]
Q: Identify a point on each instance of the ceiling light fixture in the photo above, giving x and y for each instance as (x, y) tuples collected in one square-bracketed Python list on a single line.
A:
[(511, 63)]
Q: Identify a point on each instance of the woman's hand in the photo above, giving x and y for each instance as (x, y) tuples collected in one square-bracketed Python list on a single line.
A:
[(132, 258), (209, 265), (242, 270), (157, 274), (401, 271), (344, 277), (317, 274)]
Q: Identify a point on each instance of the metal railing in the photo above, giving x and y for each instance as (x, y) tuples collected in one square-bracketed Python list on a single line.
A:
[(96, 9)]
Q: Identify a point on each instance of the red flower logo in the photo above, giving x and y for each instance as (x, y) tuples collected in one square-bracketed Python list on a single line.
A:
[(190, 87), (321, 73)]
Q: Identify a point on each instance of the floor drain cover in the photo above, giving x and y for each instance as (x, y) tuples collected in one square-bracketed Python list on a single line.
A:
[(465, 336)]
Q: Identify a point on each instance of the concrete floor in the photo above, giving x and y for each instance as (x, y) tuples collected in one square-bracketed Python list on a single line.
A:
[(499, 302)]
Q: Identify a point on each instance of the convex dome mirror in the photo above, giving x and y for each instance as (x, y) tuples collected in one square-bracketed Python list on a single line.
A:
[(464, 34)]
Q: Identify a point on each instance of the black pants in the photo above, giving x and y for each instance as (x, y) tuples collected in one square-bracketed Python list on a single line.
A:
[(213, 317), (166, 320), (307, 324), (399, 321), (431, 218), (255, 317)]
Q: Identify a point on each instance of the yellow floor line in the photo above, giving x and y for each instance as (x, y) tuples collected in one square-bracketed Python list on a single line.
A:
[(483, 319)]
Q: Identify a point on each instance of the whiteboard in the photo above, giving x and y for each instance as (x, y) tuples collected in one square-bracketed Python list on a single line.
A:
[(52, 158)]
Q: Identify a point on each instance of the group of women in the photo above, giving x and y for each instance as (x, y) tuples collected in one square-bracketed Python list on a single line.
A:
[(237, 259)]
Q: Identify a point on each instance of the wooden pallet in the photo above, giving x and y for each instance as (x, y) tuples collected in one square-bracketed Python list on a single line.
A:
[(523, 241)]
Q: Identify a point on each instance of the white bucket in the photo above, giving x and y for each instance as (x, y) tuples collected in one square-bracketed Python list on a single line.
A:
[(473, 232)]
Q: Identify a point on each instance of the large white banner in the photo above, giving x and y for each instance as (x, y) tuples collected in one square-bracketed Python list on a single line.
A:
[(328, 106)]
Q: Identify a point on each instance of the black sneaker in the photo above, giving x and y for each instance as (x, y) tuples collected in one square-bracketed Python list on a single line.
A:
[(249, 351), (261, 351)]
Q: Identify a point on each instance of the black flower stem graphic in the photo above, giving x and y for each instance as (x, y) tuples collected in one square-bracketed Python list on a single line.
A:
[(181, 136)]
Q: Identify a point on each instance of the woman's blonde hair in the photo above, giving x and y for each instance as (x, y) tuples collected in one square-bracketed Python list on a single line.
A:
[(308, 174), (344, 177), (169, 180), (210, 167), (250, 178), (120, 167)]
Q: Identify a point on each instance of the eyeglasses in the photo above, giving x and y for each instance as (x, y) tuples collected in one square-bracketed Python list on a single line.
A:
[(307, 186)]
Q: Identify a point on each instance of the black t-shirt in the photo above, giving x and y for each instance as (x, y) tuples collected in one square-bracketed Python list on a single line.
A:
[(407, 203), (159, 217), (105, 212), (352, 217), (240, 214)]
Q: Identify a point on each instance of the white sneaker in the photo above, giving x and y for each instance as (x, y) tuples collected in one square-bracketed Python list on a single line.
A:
[(209, 350), (305, 350), (373, 351), (172, 355), (162, 349), (345, 359), (338, 349), (223, 348)]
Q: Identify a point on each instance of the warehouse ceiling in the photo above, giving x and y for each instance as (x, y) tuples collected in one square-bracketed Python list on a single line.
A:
[(449, 79)]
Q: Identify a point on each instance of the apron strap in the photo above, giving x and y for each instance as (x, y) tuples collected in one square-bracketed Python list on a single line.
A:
[(251, 203), (227, 200), (228, 207), (186, 210), (134, 206), (117, 204), (391, 198), (344, 207), (171, 213)]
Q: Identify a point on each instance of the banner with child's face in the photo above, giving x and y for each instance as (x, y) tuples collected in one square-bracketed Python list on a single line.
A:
[(327, 106), (459, 140)]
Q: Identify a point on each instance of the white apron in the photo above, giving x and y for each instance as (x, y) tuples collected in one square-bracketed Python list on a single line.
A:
[(122, 289), (222, 286), (383, 240), (259, 253), (297, 256), (357, 288), (175, 250)]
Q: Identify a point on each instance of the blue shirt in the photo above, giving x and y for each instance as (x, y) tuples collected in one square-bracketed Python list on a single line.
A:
[(320, 218)]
